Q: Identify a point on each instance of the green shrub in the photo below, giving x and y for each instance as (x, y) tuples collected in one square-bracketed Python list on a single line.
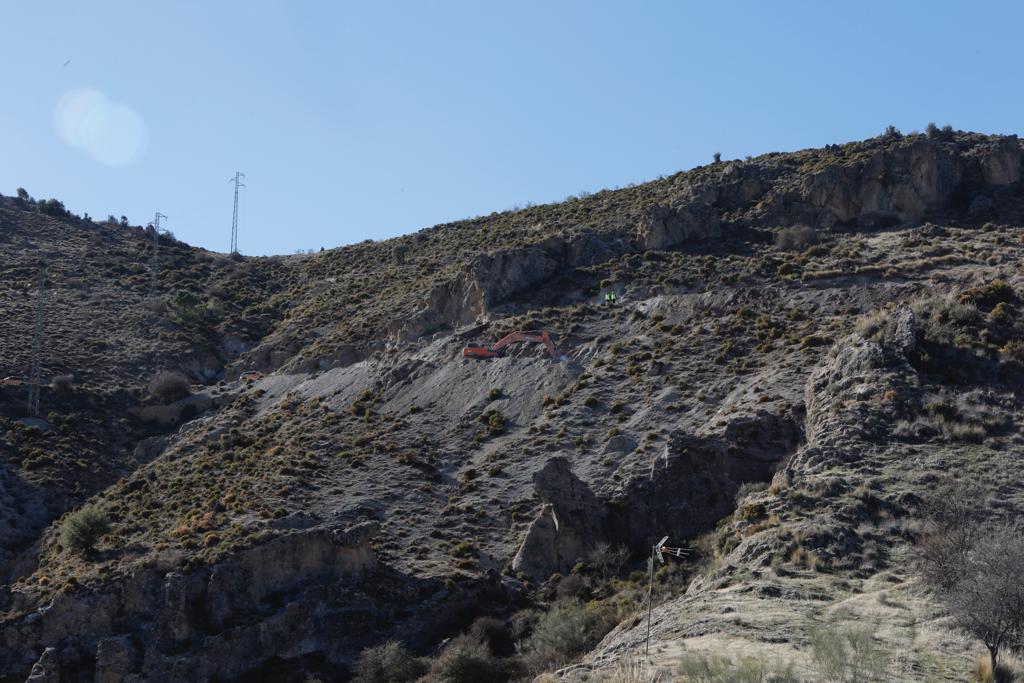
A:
[(495, 422), (465, 549), (813, 340), (52, 207), (467, 660), (563, 634), (388, 663), (188, 308), (82, 529), (1013, 349), (398, 254), (944, 134), (796, 238), (987, 297), (62, 383), (169, 386), (848, 654), (892, 133), (695, 668), (495, 634)]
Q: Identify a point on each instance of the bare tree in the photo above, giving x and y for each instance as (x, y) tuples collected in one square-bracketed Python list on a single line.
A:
[(988, 600), (952, 522), (974, 566), (607, 559)]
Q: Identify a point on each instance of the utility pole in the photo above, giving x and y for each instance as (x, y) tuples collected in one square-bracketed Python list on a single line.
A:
[(234, 217), (153, 264), (35, 376)]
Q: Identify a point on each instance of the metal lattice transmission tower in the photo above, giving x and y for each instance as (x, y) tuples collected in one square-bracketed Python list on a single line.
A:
[(35, 375), (237, 180), (153, 259)]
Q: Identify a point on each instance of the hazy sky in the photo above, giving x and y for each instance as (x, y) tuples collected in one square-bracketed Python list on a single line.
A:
[(372, 119)]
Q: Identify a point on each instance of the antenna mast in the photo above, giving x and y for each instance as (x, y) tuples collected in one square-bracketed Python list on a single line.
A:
[(156, 249), (37, 349), (234, 217)]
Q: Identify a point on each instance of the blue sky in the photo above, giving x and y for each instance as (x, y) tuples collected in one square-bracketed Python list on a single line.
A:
[(373, 119)]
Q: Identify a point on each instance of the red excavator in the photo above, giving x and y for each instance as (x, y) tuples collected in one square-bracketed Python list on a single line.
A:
[(498, 348)]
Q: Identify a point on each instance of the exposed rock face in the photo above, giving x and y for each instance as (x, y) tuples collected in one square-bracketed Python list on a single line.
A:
[(693, 484), (494, 278), (47, 669), (892, 185), (664, 228), (572, 521), (270, 600), (1000, 162), (887, 186), (116, 659), (853, 398), (857, 368), (490, 279)]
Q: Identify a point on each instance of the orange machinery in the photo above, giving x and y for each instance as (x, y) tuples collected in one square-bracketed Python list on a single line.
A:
[(473, 350)]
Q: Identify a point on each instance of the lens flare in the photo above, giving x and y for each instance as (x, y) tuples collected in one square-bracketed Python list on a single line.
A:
[(110, 132)]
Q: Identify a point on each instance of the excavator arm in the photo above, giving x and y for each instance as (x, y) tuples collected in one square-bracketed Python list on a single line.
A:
[(479, 351)]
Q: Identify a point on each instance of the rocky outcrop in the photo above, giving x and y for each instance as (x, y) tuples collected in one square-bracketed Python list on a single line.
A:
[(693, 482), (494, 278), (572, 520), (663, 227), (892, 185), (906, 182), (1000, 162), (735, 186), (487, 281), (46, 669), (847, 393), (297, 593)]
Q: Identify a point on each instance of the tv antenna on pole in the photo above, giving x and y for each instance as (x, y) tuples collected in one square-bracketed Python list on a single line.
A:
[(658, 550), (234, 217), (35, 374), (153, 264)]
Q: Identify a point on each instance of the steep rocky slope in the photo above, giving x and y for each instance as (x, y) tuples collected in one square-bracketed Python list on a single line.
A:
[(376, 485), (919, 391)]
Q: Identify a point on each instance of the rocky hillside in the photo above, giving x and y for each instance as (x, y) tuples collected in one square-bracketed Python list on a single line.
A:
[(803, 343)]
